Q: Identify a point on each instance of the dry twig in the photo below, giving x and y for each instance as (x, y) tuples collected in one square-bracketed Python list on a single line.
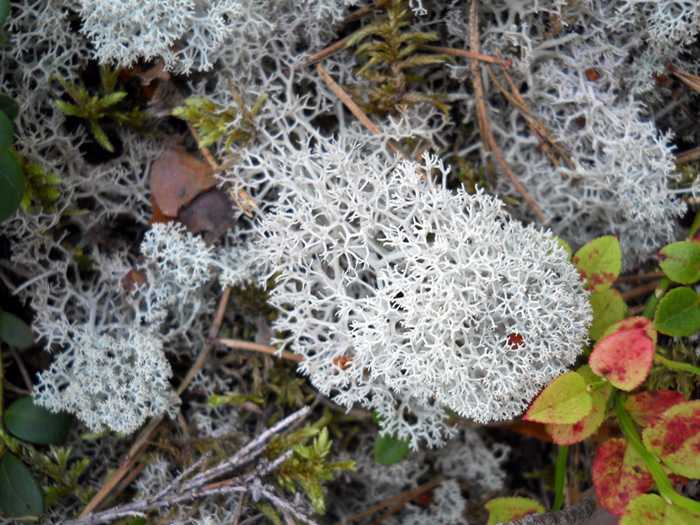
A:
[(145, 435), (482, 116), (181, 489), (394, 501), (237, 344)]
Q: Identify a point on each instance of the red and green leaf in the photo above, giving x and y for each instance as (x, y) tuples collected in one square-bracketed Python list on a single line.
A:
[(505, 510), (625, 354), (646, 407), (650, 509), (563, 401), (619, 475), (599, 262), (568, 434), (675, 438)]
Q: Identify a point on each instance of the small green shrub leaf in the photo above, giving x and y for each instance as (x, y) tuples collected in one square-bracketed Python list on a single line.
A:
[(4, 11), (680, 261), (678, 313), (14, 331), (8, 105), (569, 434), (11, 184), (505, 510), (20, 494), (675, 438), (7, 132), (599, 262), (608, 308), (389, 450), (30, 422), (619, 475), (563, 401), (651, 509), (625, 355)]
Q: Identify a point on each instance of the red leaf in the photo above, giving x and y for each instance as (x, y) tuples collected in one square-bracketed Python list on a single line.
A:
[(177, 178), (210, 214), (618, 476), (646, 407), (624, 356)]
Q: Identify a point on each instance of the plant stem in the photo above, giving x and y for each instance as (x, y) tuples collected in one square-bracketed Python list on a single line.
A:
[(663, 484), (676, 365), (560, 477)]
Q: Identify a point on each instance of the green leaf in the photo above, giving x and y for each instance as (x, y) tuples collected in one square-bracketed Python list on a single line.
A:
[(389, 450), (20, 494), (505, 510), (625, 355), (4, 11), (68, 109), (8, 105), (7, 132), (112, 99), (680, 261), (568, 434), (675, 438), (30, 422), (599, 262), (651, 509), (15, 332), (11, 184), (678, 313), (608, 308), (563, 401), (101, 136)]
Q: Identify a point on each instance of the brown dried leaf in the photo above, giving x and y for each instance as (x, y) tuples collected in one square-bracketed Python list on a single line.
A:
[(177, 178), (211, 214)]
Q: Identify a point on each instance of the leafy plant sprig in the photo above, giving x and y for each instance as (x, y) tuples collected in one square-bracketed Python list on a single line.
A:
[(96, 108)]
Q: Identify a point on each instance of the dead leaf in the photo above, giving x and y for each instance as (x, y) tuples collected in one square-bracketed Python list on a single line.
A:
[(177, 178), (211, 214)]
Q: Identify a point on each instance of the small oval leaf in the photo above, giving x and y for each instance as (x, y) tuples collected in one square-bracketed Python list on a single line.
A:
[(20, 494), (11, 184), (650, 509), (619, 475), (7, 132), (14, 331), (646, 407), (678, 313), (586, 427), (30, 422), (565, 400), (675, 438), (4, 11), (680, 261), (608, 309), (8, 105), (389, 450), (599, 262), (625, 355), (505, 510)]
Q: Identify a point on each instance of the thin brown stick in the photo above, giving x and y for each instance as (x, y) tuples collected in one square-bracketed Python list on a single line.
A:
[(145, 435), (204, 151), (327, 51), (639, 291), (237, 344), (393, 501), (639, 277), (360, 115), (482, 116), (685, 157), (471, 55)]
